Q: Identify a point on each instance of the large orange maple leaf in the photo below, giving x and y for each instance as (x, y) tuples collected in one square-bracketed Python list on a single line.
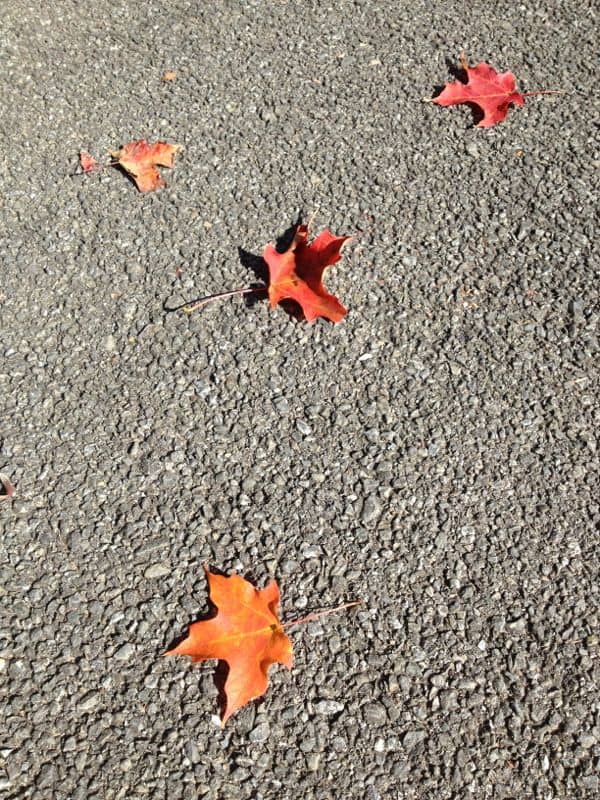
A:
[(297, 273), (491, 91), (246, 633), (140, 160)]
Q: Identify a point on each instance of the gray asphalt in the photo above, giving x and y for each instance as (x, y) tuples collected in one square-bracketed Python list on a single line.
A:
[(435, 454)]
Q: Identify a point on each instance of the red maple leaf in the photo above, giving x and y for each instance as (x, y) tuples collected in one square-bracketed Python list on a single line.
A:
[(491, 91), (297, 273)]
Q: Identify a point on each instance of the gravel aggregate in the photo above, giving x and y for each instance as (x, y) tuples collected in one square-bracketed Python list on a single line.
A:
[(434, 455)]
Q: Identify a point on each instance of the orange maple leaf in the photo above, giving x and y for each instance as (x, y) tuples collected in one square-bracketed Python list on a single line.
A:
[(140, 160), (246, 633), (297, 273)]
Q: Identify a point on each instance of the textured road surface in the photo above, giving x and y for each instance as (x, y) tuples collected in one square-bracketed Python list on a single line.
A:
[(435, 454)]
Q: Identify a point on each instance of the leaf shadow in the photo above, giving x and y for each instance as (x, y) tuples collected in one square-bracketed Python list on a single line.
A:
[(211, 611), (455, 70), (219, 679), (284, 241), (458, 72), (128, 175), (476, 115), (221, 671), (259, 267)]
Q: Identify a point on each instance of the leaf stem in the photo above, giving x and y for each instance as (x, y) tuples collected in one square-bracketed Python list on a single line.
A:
[(546, 91), (188, 309), (318, 614), (96, 168)]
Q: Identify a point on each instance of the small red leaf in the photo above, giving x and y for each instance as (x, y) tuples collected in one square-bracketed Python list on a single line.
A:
[(88, 164)]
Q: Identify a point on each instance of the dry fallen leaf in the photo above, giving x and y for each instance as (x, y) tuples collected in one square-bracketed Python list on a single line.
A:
[(297, 273), (246, 633), (140, 160)]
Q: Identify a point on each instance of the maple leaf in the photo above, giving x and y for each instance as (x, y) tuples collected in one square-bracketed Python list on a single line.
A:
[(491, 91), (87, 163), (296, 274), (140, 160), (246, 633)]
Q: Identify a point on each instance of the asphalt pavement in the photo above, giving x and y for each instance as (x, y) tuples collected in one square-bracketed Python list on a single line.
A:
[(434, 454)]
